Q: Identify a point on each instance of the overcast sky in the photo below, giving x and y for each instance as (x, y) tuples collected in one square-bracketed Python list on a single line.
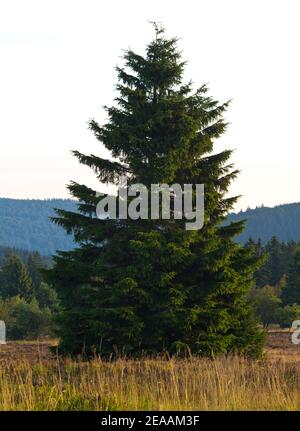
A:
[(57, 71)]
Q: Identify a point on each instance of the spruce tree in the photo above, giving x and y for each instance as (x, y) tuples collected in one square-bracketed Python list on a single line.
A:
[(34, 264), (15, 279), (275, 249), (144, 286), (291, 292), (262, 275)]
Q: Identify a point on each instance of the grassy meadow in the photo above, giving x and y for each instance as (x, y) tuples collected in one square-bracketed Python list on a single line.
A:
[(31, 378)]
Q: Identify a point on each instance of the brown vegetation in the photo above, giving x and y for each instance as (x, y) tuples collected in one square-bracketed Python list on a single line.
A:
[(32, 378)]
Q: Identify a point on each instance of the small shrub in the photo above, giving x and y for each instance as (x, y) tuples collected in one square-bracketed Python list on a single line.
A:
[(265, 303), (30, 321), (285, 316)]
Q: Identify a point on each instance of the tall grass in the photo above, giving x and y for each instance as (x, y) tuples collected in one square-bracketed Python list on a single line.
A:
[(150, 384)]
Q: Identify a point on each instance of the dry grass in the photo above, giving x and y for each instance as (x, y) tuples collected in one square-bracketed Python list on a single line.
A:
[(40, 381)]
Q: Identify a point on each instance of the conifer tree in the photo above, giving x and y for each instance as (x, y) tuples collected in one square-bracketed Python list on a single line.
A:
[(15, 279), (134, 286), (262, 275), (274, 249), (34, 264), (291, 292)]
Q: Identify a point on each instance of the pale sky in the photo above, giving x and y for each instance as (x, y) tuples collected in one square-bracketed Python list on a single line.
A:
[(57, 71)]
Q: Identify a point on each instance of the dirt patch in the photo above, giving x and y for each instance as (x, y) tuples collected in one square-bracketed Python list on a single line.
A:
[(27, 351), (278, 346)]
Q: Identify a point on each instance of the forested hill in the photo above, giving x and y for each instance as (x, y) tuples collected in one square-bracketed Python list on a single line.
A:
[(282, 221), (25, 224)]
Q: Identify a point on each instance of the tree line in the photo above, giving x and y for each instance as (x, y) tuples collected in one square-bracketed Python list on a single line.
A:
[(275, 294), (27, 303), (263, 222), (25, 224)]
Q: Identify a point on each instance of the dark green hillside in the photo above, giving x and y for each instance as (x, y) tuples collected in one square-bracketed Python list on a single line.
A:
[(25, 224), (282, 221)]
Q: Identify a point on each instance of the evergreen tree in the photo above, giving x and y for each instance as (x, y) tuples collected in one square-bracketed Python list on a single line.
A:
[(137, 286), (34, 264), (274, 249), (262, 275), (291, 292), (288, 253), (285, 316), (15, 279), (280, 286), (46, 297), (266, 304)]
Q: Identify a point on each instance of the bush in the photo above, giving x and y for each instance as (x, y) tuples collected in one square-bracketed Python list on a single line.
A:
[(285, 316), (30, 321), (6, 307), (47, 297), (25, 320), (266, 304)]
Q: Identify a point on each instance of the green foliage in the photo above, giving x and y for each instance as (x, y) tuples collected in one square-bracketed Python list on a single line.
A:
[(25, 320), (47, 297), (266, 304), (23, 254), (27, 307), (146, 286), (291, 292), (35, 263), (6, 310), (15, 279), (277, 259), (286, 315), (275, 262), (30, 321)]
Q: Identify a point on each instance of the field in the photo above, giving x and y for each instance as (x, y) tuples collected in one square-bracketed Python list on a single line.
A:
[(31, 378)]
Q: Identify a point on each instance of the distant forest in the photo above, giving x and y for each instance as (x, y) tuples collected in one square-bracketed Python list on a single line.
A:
[(25, 255), (25, 224), (282, 221)]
